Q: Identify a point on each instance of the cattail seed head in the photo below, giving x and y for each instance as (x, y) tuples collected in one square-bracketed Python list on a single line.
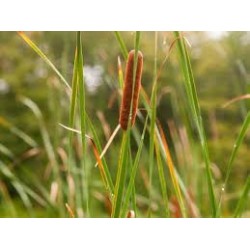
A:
[(127, 98)]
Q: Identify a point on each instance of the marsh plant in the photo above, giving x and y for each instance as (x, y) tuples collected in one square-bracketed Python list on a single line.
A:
[(142, 148)]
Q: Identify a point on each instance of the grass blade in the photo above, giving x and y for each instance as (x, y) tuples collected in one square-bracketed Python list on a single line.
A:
[(17, 185), (133, 171), (236, 99), (4, 150), (99, 157), (146, 102), (73, 103), (81, 91), (196, 113), (43, 56), (73, 100), (109, 141), (23, 136), (152, 122), (121, 174), (122, 44), (18, 132), (237, 144), (48, 147), (162, 180), (172, 171), (7, 201), (72, 113), (105, 167), (45, 135), (243, 199)]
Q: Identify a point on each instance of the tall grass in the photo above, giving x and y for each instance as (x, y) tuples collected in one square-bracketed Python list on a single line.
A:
[(196, 114), (153, 162)]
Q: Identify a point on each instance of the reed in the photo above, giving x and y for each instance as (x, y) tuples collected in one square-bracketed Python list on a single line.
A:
[(151, 165)]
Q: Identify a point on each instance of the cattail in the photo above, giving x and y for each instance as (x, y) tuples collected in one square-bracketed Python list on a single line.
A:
[(128, 90)]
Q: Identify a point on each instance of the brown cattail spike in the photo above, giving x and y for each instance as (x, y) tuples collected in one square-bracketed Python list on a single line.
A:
[(128, 90)]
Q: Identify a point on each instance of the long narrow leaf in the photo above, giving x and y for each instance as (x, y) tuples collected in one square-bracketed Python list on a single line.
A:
[(120, 179), (236, 147), (43, 56), (105, 167), (152, 121), (81, 91), (122, 45), (237, 144), (162, 180), (196, 113), (243, 199), (133, 171)]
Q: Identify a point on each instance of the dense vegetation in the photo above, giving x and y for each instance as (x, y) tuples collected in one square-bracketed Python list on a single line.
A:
[(173, 162)]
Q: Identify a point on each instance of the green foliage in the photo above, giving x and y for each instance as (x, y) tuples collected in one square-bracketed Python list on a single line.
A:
[(172, 163)]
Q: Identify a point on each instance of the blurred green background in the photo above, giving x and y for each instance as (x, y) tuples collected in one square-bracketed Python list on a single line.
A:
[(221, 65)]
